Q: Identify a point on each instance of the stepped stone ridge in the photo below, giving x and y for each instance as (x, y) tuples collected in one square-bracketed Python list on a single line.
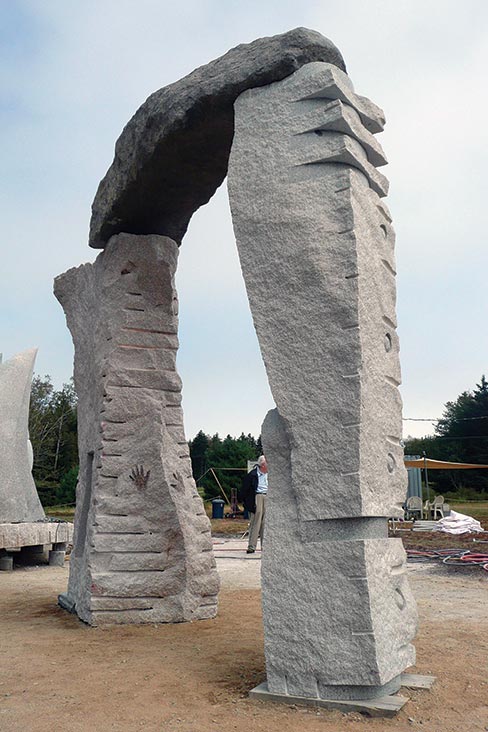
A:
[(183, 133), (142, 547), (18, 494), (338, 613)]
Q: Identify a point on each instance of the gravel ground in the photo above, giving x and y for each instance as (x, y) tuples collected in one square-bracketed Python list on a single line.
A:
[(194, 677)]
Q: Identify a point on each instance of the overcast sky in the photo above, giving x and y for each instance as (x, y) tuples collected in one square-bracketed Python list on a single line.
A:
[(73, 73)]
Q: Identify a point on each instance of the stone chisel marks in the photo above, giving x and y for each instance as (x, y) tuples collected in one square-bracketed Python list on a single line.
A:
[(335, 594), (132, 464)]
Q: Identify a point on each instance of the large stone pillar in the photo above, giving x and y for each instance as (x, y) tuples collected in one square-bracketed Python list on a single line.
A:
[(19, 501), (142, 546), (316, 248)]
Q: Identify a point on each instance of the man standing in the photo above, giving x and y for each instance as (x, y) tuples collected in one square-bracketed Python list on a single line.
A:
[(253, 494)]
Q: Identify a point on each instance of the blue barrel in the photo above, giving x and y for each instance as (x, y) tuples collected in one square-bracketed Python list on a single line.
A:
[(218, 508)]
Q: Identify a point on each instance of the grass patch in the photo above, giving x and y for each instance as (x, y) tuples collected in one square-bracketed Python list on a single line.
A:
[(220, 527), (476, 509), (67, 514), (228, 527)]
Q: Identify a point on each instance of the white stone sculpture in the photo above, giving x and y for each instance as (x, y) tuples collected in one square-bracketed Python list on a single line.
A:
[(18, 495), (316, 248)]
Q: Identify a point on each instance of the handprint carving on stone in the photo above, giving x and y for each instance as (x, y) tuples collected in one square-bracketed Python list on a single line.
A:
[(139, 477)]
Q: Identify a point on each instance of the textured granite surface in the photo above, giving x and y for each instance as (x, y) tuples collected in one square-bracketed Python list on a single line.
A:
[(172, 155), (16, 536), (316, 248), (142, 546), (339, 616)]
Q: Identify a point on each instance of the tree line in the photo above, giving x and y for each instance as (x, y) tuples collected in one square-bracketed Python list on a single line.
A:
[(460, 436), (218, 464), (54, 438), (53, 434)]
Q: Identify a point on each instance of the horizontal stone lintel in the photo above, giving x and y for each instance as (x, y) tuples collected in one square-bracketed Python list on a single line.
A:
[(34, 533)]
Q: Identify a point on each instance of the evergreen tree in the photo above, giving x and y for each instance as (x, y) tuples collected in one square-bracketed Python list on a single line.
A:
[(228, 459), (53, 434), (460, 436), (198, 453), (464, 431)]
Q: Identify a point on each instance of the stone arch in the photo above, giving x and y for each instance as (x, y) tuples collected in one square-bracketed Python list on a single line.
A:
[(122, 313), (306, 200), (173, 154)]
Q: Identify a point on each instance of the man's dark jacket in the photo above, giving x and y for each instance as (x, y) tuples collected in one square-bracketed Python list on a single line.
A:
[(248, 490)]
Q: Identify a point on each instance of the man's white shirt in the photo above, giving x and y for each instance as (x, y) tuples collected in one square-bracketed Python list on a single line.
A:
[(262, 482)]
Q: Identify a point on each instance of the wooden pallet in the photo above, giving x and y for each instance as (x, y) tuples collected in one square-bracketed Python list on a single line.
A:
[(423, 525)]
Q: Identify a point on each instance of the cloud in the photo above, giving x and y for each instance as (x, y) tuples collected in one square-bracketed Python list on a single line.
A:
[(71, 76)]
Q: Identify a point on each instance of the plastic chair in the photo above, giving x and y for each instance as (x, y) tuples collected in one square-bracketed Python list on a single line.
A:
[(437, 507), (413, 507)]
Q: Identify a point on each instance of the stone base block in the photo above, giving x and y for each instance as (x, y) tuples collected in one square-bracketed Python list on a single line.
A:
[(66, 603), (56, 558), (383, 706), (35, 534), (31, 541), (6, 563), (417, 681), (139, 610)]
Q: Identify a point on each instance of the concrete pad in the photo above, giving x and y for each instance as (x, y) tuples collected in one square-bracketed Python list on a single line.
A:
[(236, 568), (417, 681)]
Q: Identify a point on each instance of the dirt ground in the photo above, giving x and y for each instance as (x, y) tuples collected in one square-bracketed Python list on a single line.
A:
[(59, 674)]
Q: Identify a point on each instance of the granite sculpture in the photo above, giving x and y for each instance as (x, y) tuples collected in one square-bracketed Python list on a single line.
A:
[(142, 549), (306, 201), (316, 248), (18, 494), (141, 565)]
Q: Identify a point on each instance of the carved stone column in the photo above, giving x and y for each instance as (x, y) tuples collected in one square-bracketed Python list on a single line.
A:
[(142, 545), (316, 247)]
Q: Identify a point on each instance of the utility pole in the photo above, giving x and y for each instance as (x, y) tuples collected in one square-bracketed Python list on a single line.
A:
[(426, 476)]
